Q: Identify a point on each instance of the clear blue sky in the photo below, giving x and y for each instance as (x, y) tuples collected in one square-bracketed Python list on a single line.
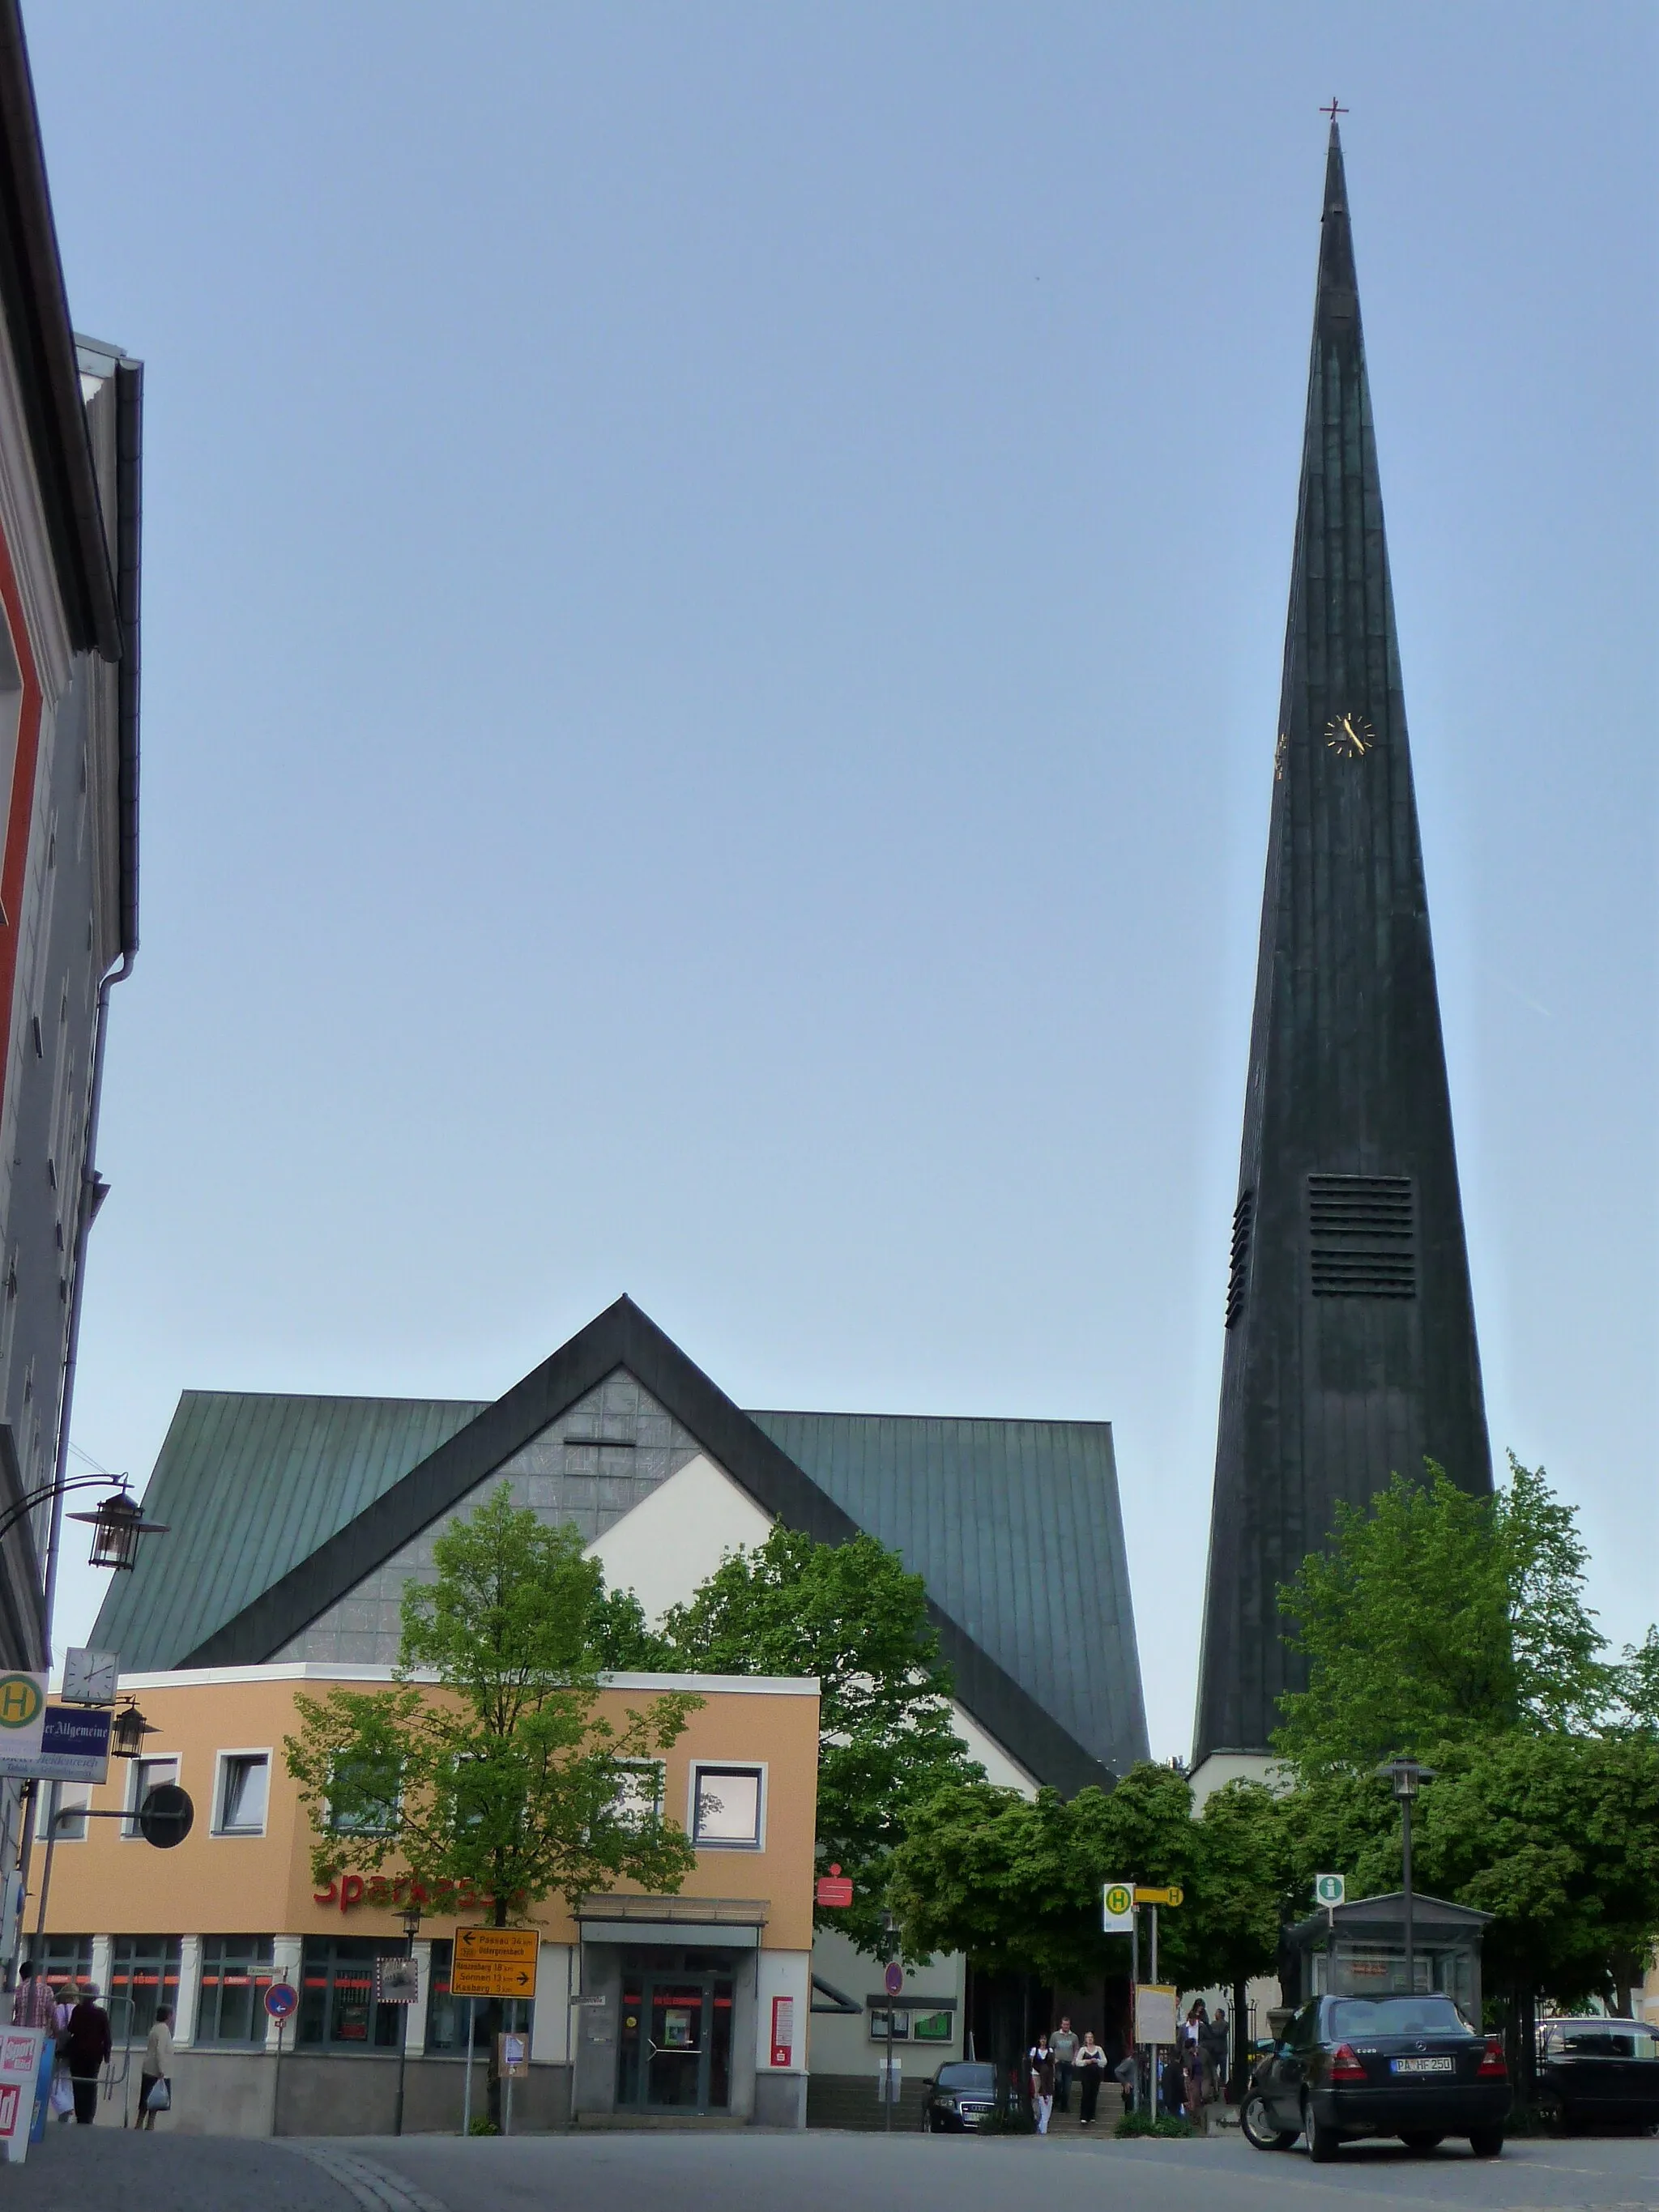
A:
[(714, 580)]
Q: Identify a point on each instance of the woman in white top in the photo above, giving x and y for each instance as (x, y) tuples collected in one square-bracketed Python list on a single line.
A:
[(158, 2067)]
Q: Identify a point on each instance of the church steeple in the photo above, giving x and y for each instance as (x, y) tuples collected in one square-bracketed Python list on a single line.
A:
[(1351, 1348)]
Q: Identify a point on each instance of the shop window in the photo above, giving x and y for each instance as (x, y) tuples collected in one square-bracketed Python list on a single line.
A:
[(244, 1788), (727, 1806), (236, 1971), (62, 1959), (147, 1774), (931, 2027), (445, 2016), (143, 1975), (338, 2009)]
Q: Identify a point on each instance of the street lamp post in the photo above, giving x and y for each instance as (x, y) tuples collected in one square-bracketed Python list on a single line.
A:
[(1405, 1777), (411, 1930)]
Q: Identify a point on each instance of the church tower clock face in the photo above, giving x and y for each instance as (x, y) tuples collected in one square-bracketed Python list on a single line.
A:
[(1351, 736)]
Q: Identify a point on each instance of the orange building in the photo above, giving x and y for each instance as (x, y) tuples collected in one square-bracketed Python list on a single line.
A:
[(696, 2002)]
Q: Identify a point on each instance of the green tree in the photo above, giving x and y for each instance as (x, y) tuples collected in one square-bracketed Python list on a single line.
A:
[(1436, 1617), (494, 1776), (850, 1614), (1237, 1901)]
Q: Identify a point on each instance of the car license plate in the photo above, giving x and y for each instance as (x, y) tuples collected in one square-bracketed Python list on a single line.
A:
[(1422, 2065), (973, 2112)]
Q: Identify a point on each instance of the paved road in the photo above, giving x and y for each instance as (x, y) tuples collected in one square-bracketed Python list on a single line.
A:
[(818, 2172)]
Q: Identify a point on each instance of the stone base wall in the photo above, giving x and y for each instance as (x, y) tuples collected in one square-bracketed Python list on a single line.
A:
[(228, 2092)]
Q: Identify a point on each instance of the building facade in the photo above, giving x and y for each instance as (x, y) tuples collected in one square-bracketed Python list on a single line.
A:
[(70, 452), (689, 2004), (298, 1520), (1350, 1346)]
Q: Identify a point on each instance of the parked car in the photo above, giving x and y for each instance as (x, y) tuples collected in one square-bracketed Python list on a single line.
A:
[(960, 2096), (1406, 2066), (1592, 2071)]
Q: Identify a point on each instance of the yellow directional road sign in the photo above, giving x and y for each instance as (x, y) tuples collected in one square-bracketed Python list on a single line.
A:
[(1173, 1895), (494, 1962)]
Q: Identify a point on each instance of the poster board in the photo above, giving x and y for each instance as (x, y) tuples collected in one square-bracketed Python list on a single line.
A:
[(1154, 2012)]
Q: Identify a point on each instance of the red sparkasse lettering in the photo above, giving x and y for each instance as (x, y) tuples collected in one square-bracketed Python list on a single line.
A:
[(352, 1891), (325, 1896)]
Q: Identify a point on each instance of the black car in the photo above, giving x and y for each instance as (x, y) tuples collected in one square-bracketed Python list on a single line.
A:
[(1406, 2066), (960, 2096), (1598, 2071)]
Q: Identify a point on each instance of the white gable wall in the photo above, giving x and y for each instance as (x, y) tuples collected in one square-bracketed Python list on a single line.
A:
[(675, 1538)]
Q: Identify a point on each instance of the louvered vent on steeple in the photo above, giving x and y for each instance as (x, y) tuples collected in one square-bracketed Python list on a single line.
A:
[(1362, 1237), (1238, 1272)]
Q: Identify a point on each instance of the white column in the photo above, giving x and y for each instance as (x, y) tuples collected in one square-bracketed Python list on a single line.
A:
[(554, 2014), (190, 1988), (286, 1952), (103, 1965), (414, 2026)]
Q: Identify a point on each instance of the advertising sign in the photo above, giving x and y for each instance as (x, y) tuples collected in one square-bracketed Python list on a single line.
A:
[(74, 1745), (22, 1722), (23, 2051), (783, 2031), (1117, 1908), (1154, 2012), (494, 1962), (834, 1889)]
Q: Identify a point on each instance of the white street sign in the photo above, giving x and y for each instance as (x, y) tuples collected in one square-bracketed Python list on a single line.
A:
[(1117, 1908), (1329, 1889)]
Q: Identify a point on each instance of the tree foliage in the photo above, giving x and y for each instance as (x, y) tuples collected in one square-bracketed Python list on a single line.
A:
[(850, 1614), (1434, 1617), (1456, 1629)]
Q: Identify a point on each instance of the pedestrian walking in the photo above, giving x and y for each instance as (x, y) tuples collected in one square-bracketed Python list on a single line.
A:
[(34, 2005), (1063, 2044), (1091, 2064), (1124, 2074), (158, 2070), (1193, 2029), (87, 2048), (1040, 2064), (1214, 2044)]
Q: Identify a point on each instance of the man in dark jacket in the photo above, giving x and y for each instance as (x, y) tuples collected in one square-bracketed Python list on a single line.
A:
[(87, 2047)]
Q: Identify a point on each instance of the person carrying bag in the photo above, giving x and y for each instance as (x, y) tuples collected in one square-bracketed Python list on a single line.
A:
[(155, 2083)]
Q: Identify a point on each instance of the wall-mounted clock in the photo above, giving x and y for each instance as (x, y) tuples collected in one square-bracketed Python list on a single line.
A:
[(90, 1677)]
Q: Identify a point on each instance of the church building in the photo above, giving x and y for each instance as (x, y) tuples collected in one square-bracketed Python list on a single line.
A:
[(1351, 1351)]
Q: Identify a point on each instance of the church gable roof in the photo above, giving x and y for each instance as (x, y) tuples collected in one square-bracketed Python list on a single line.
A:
[(180, 1610)]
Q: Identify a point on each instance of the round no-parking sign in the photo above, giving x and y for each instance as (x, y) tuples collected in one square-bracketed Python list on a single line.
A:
[(280, 1999)]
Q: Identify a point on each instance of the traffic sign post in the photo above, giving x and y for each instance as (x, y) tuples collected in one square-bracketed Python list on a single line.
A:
[(280, 2001), (494, 1962)]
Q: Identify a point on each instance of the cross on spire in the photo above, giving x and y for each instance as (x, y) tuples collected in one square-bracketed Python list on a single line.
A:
[(1333, 110)]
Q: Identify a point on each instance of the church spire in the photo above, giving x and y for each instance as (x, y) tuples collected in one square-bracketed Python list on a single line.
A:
[(1350, 1350)]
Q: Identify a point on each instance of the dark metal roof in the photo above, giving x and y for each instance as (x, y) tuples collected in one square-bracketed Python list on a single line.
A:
[(1015, 1528), (249, 1484), (42, 349), (286, 1504)]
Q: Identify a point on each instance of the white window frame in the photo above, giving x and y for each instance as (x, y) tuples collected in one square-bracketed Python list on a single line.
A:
[(222, 1762), (758, 1767), (131, 1832), (72, 1797)]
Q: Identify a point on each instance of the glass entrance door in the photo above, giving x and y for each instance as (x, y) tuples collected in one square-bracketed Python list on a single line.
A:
[(675, 2051)]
